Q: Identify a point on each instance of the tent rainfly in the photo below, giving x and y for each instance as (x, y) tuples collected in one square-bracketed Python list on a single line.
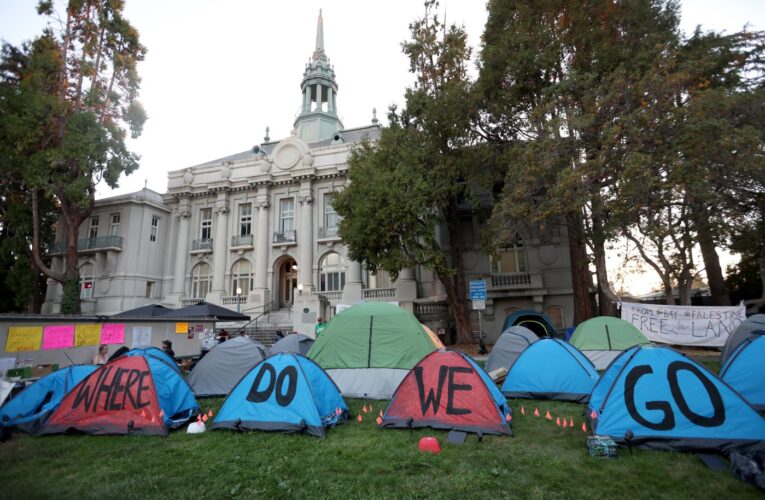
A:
[(603, 338), (226, 363)]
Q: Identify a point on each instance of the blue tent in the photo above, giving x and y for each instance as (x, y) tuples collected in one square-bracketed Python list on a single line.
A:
[(744, 371), (654, 397), (155, 353), (174, 395), (29, 409), (537, 322), (285, 392), (551, 369)]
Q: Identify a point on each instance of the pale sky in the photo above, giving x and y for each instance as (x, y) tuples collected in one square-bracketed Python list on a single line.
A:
[(217, 73)]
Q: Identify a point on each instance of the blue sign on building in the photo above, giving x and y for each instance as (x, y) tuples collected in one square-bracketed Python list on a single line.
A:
[(477, 290)]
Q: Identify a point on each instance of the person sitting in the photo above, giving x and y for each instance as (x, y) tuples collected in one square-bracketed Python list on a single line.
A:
[(100, 357), (222, 336), (167, 347)]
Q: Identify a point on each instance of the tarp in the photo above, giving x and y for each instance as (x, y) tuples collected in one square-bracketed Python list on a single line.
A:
[(654, 397), (286, 392), (294, 342), (684, 325), (29, 409), (743, 331), (745, 369), (551, 369), (226, 363), (603, 338), (149, 311), (448, 390), (509, 346), (370, 347), (130, 395), (537, 322), (204, 310)]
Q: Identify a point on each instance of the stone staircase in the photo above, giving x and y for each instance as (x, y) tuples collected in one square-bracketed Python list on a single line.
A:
[(264, 329)]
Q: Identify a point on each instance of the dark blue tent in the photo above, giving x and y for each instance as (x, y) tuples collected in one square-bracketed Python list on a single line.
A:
[(654, 397), (537, 322), (285, 392), (29, 409), (551, 369), (745, 371), (155, 353)]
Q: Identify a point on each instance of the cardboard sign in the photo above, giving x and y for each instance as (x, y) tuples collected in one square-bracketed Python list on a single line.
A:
[(182, 328), (113, 333), (58, 337), (87, 335), (23, 338)]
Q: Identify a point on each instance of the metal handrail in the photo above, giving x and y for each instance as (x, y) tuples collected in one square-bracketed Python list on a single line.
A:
[(266, 310)]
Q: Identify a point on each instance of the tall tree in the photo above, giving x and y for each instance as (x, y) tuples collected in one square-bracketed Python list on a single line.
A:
[(404, 188), (83, 86)]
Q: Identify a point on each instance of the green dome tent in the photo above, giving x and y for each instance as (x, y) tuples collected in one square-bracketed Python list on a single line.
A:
[(369, 348), (603, 338)]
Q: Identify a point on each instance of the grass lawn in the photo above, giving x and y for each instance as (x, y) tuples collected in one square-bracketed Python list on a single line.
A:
[(354, 460)]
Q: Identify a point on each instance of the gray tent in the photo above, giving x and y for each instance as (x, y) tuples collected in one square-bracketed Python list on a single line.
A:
[(295, 342), (226, 363), (743, 332), (509, 346)]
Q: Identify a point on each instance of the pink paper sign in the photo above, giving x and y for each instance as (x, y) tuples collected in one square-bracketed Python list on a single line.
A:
[(113, 333), (58, 337)]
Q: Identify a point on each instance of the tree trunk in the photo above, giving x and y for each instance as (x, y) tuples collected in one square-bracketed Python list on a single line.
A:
[(715, 278), (459, 311), (580, 273), (607, 299), (461, 315), (70, 302)]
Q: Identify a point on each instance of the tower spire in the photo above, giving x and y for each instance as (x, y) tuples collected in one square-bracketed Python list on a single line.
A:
[(318, 118), (319, 52)]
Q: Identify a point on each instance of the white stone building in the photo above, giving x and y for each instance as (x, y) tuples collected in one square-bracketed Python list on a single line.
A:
[(256, 231)]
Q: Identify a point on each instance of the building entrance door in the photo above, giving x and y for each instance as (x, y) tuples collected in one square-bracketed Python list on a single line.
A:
[(287, 283)]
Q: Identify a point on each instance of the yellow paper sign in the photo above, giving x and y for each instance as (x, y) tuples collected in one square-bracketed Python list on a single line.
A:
[(23, 338), (182, 328), (87, 335)]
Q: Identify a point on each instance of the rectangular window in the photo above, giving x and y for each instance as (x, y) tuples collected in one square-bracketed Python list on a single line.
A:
[(206, 223), (154, 228), (287, 214), (150, 289), (93, 233), (114, 229), (86, 292), (331, 219), (245, 219)]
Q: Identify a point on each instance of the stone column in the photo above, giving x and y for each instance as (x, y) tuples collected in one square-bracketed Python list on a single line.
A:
[(260, 294), (330, 100), (305, 237), (307, 99), (219, 248), (406, 289), (352, 292), (181, 249)]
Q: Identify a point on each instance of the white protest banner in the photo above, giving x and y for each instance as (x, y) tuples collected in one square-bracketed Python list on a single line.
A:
[(684, 325), (141, 336)]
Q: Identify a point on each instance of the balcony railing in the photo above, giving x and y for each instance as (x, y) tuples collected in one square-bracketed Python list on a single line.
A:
[(241, 241), (516, 281), (234, 299), (328, 232), (333, 295), (285, 237), (191, 302), (204, 244), (99, 243), (378, 293), (432, 311)]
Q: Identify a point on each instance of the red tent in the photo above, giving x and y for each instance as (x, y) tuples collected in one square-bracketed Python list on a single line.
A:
[(118, 398), (448, 390)]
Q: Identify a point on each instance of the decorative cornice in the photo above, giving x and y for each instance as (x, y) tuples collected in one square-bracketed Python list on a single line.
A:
[(305, 199)]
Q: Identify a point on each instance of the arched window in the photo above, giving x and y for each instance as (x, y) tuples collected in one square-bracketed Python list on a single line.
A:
[(512, 258), (331, 274), (87, 281), (200, 280), (241, 277)]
